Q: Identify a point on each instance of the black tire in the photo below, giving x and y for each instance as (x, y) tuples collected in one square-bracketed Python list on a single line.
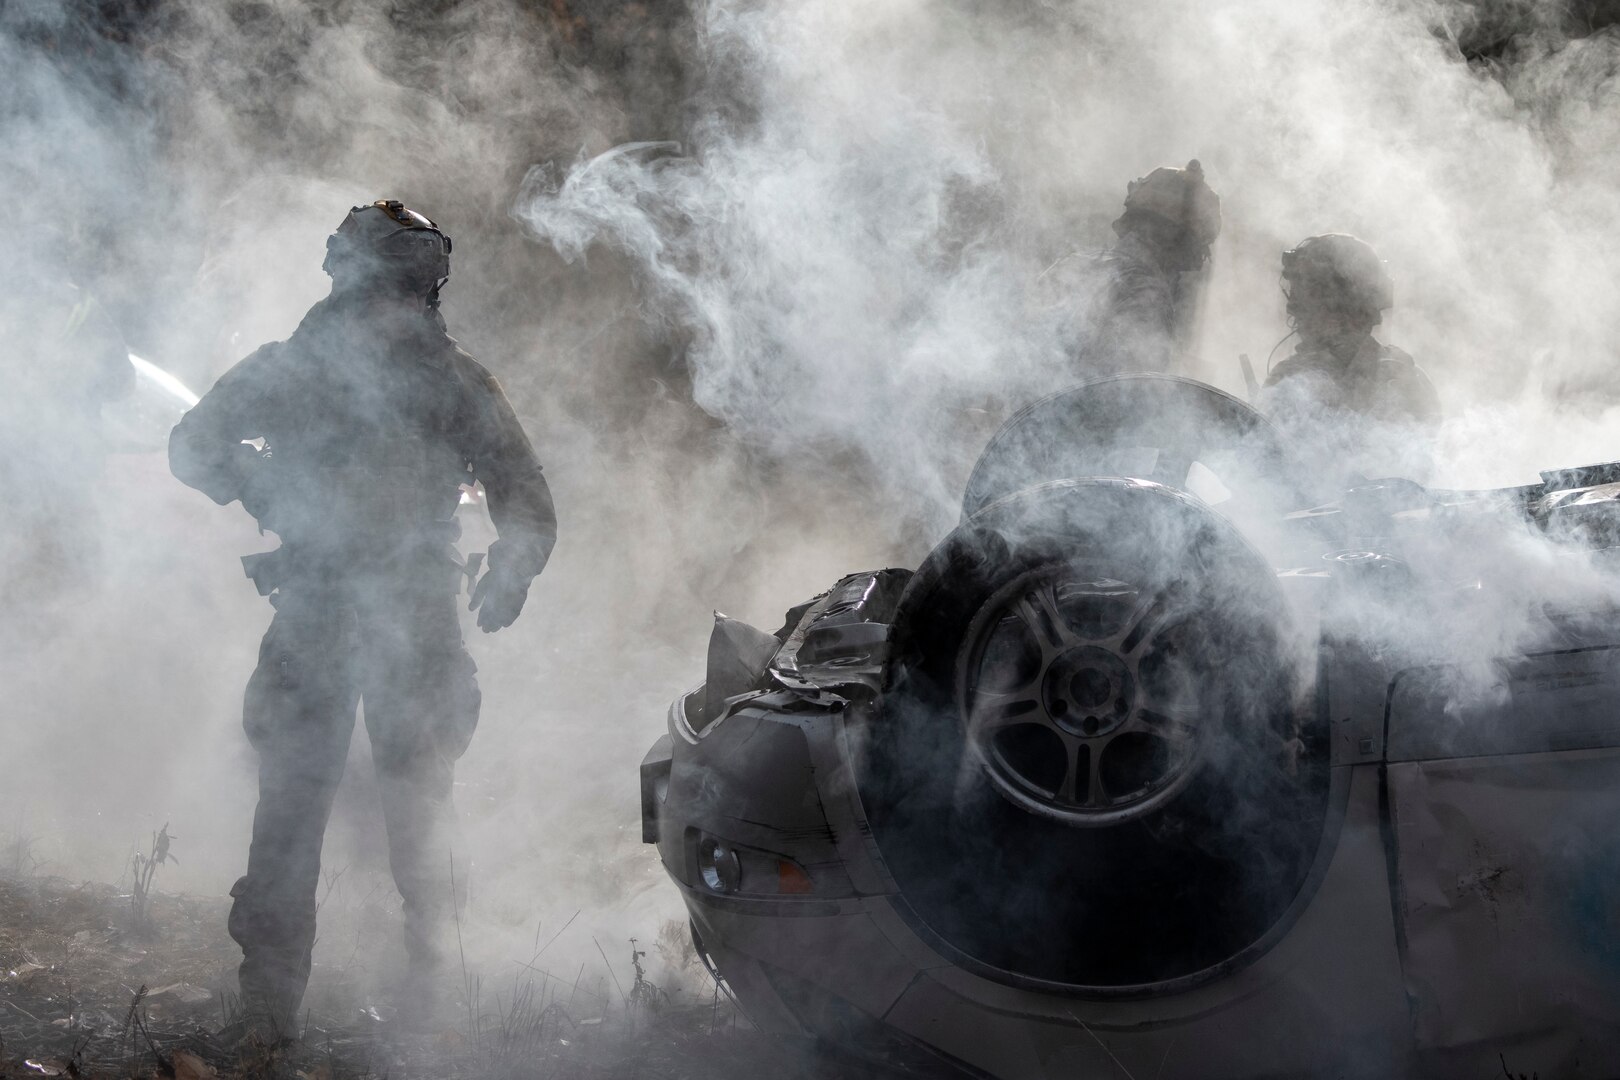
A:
[(1147, 425), (1196, 826)]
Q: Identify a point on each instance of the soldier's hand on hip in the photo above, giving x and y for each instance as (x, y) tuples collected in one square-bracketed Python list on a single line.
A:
[(498, 599)]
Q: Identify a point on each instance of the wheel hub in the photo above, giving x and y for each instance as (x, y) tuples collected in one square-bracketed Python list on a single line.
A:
[(1088, 691), (1064, 650)]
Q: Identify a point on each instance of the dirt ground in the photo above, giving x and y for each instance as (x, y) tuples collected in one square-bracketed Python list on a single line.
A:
[(90, 988)]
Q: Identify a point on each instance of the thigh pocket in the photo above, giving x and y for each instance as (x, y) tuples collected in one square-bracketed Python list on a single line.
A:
[(427, 708), (462, 701), (303, 676)]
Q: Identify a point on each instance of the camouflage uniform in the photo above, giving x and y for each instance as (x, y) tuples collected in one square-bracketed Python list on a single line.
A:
[(1133, 318), (369, 428), (1371, 380), (1348, 402), (1361, 408), (1123, 309)]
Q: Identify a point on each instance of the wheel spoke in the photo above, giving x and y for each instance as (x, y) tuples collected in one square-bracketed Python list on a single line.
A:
[(1096, 798), (1145, 620), (1039, 612), (992, 712), (1072, 751)]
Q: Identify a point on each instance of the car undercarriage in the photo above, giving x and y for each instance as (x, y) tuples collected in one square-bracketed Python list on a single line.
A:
[(1167, 760)]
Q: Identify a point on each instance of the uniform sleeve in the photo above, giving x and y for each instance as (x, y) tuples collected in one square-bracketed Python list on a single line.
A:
[(206, 448), (1410, 395), (520, 502), (1140, 318), (1424, 400)]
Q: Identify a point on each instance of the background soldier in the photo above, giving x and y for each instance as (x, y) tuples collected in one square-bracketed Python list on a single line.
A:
[(1366, 404), (360, 430), (1131, 305)]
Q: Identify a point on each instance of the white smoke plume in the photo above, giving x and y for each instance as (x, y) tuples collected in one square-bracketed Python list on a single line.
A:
[(858, 237), (820, 224)]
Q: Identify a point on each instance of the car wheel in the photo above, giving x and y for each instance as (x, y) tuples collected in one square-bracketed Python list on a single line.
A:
[(1094, 720)]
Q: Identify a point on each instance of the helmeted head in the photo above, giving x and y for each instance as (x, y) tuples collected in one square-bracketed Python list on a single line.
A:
[(1175, 212), (1335, 280), (387, 247)]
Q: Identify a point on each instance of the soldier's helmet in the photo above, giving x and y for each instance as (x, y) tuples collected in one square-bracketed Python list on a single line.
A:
[(1178, 196), (1336, 274), (388, 244)]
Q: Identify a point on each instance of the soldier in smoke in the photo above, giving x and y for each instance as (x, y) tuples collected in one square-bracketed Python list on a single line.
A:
[(351, 440), (1364, 405), (1127, 308)]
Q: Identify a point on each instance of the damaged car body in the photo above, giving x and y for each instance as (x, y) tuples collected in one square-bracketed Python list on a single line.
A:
[(1161, 762)]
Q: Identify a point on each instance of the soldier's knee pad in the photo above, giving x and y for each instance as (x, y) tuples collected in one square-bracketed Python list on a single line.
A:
[(259, 918)]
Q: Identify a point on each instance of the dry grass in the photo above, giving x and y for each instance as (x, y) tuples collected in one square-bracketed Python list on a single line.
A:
[(85, 992)]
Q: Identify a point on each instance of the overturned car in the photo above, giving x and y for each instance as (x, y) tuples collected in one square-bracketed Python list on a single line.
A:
[(1163, 765)]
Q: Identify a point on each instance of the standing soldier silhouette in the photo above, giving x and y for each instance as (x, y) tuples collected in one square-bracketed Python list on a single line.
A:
[(351, 441), (1129, 307), (1349, 403)]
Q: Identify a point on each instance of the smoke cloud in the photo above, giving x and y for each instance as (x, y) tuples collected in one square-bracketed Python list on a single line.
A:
[(785, 288), (853, 225)]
